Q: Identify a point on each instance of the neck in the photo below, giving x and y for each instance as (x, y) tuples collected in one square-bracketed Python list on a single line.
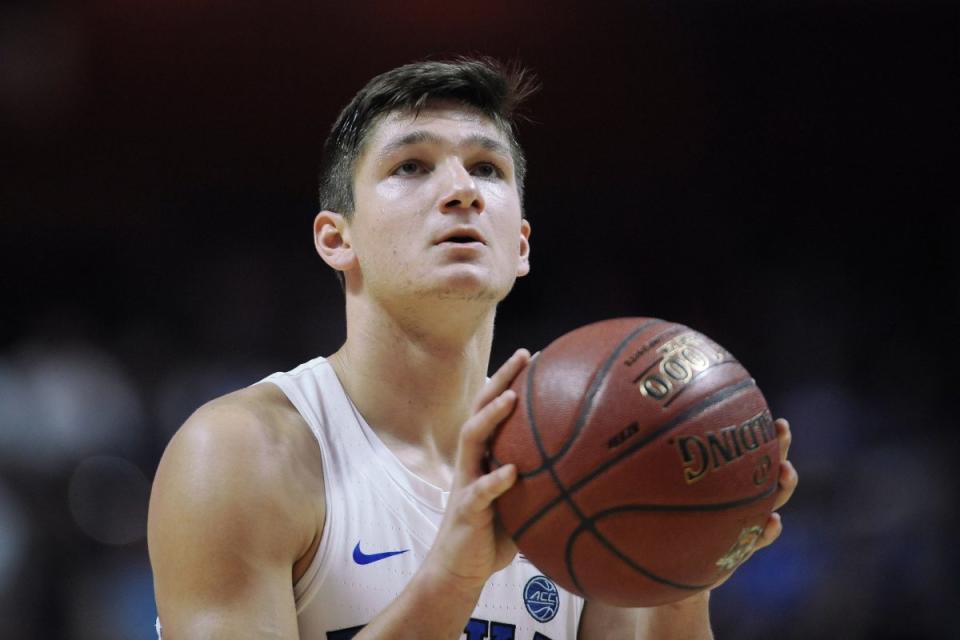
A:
[(413, 374)]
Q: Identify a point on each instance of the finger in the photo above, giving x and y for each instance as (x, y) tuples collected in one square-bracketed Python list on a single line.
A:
[(487, 488), (504, 538), (789, 479), (784, 436), (771, 531), (502, 378), (477, 430)]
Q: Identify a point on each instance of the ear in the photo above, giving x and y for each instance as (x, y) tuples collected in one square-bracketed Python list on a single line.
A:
[(331, 237), (523, 266)]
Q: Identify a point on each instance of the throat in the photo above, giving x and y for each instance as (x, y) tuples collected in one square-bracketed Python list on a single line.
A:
[(425, 462), (414, 390)]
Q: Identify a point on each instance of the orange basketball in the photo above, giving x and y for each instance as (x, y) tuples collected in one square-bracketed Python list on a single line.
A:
[(648, 462)]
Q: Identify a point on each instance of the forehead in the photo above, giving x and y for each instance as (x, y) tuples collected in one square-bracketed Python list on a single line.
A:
[(451, 122)]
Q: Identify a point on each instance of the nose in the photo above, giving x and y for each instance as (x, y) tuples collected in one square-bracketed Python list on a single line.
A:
[(460, 192)]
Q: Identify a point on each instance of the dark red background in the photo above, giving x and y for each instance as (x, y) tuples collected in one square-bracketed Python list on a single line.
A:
[(778, 175)]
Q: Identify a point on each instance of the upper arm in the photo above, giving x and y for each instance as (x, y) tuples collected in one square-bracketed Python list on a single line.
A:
[(224, 529)]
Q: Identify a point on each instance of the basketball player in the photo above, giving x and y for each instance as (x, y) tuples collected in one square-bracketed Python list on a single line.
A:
[(348, 498)]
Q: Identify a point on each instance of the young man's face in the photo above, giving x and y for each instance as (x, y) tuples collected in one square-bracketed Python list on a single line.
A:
[(437, 210)]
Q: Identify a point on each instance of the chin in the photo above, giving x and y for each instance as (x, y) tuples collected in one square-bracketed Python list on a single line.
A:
[(466, 293), (469, 286), (452, 281)]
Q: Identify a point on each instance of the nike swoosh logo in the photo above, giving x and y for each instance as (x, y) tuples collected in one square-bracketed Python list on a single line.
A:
[(363, 558)]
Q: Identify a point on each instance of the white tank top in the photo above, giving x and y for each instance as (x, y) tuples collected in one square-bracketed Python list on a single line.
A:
[(381, 521)]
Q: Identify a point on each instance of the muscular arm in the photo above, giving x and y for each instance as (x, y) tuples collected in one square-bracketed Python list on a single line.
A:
[(227, 525)]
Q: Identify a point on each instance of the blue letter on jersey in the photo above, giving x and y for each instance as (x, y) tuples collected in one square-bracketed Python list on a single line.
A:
[(343, 634), (479, 629), (476, 629), (502, 631)]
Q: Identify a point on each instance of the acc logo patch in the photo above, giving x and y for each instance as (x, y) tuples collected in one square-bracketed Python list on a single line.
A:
[(541, 597)]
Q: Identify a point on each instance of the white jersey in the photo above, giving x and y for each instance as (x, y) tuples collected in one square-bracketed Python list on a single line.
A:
[(381, 522)]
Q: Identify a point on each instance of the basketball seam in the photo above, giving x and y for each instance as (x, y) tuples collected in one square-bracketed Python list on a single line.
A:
[(718, 396), (689, 382), (682, 508), (598, 379), (547, 460), (571, 541), (585, 526)]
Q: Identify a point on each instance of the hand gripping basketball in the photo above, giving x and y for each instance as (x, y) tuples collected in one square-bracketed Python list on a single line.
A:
[(470, 545), (648, 464), (786, 486)]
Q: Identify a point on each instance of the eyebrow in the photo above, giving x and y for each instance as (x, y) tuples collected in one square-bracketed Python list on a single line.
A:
[(425, 137)]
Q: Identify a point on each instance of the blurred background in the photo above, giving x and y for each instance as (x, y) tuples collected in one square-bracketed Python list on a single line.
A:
[(775, 174)]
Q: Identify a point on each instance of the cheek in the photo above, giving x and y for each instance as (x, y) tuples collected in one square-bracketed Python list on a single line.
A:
[(410, 195), (391, 191), (506, 209), (390, 243), (503, 200)]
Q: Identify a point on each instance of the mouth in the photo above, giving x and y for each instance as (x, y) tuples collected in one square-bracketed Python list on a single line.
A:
[(463, 236)]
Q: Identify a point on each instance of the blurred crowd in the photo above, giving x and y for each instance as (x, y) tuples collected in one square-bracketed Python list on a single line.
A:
[(80, 439)]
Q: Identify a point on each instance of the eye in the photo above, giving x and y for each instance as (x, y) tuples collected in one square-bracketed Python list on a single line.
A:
[(408, 168), (486, 170)]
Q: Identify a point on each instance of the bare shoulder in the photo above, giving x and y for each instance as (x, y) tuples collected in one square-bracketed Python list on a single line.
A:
[(246, 451), (253, 437), (236, 502)]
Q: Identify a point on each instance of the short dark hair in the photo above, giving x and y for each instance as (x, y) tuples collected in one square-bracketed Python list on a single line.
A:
[(496, 90)]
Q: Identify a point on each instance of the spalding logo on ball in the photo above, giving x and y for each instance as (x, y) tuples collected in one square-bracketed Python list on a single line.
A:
[(648, 462)]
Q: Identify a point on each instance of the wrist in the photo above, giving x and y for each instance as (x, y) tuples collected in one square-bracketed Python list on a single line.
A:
[(432, 602), (435, 579), (697, 600), (685, 619)]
